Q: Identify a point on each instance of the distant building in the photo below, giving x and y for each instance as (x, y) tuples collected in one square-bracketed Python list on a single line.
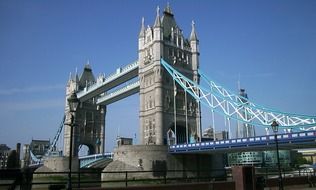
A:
[(4, 153), (124, 141), (309, 155), (244, 129), (26, 155), (39, 147), (222, 135), (260, 158), (245, 158), (208, 135)]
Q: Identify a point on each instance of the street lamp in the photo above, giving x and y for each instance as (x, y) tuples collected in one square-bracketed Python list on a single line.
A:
[(73, 103), (275, 127)]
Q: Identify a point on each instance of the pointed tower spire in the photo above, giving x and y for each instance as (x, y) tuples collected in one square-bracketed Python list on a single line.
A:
[(168, 9), (70, 76), (87, 66), (76, 75), (157, 21), (142, 29), (193, 36), (238, 82)]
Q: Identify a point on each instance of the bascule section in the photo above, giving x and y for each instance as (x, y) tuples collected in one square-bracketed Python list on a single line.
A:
[(164, 105)]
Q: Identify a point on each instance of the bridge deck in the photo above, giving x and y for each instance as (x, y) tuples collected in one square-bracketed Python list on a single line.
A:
[(119, 77), (119, 94), (306, 139)]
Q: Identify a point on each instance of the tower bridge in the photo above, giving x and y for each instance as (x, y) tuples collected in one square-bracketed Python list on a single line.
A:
[(104, 84), (169, 82), (155, 87)]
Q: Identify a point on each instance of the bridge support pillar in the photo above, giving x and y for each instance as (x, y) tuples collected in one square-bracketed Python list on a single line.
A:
[(61, 164), (102, 133), (140, 159), (244, 177), (56, 164)]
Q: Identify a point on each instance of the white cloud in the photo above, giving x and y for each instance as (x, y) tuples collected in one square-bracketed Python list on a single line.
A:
[(31, 89)]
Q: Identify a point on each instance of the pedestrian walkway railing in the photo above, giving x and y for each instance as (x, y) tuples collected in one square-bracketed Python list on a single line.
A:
[(28, 179)]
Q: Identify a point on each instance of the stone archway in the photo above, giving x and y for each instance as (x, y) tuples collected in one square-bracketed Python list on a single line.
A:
[(86, 149), (180, 133)]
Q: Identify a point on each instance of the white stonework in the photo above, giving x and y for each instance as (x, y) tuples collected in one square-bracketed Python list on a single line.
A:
[(165, 40), (89, 122)]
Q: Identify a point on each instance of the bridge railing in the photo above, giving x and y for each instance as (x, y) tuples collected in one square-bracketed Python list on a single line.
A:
[(119, 71), (300, 137), (117, 92), (90, 159), (107, 154), (218, 178)]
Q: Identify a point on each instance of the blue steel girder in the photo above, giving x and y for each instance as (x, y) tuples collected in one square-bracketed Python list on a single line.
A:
[(288, 141), (233, 106)]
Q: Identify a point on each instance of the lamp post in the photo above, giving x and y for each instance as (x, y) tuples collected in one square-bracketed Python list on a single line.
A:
[(73, 103), (274, 127)]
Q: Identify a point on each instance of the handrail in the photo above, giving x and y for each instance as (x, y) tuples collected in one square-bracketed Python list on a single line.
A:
[(119, 72), (117, 92)]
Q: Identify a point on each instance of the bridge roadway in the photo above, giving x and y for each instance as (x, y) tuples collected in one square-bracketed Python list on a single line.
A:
[(119, 94), (298, 140), (121, 76), (90, 159)]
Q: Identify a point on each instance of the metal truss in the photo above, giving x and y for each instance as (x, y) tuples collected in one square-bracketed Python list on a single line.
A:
[(34, 160), (236, 107), (55, 140)]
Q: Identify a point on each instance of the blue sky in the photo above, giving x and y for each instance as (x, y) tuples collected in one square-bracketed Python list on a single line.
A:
[(270, 44)]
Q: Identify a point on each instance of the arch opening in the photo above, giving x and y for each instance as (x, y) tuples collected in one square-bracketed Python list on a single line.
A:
[(85, 150)]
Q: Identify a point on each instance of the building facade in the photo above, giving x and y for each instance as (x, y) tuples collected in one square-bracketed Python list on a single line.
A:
[(160, 98), (39, 147), (89, 119), (260, 158), (4, 153), (244, 129)]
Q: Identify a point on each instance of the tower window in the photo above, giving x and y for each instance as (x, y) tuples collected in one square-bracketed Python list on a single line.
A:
[(148, 39), (170, 52)]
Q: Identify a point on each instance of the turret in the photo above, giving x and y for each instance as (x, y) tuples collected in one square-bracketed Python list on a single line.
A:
[(86, 78), (158, 37), (168, 10), (194, 44), (157, 23), (72, 84), (193, 36), (141, 36)]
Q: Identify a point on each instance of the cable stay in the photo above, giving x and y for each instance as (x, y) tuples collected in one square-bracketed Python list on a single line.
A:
[(54, 142), (236, 107)]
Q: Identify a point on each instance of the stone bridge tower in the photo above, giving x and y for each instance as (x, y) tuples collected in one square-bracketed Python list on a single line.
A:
[(165, 40), (89, 118)]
